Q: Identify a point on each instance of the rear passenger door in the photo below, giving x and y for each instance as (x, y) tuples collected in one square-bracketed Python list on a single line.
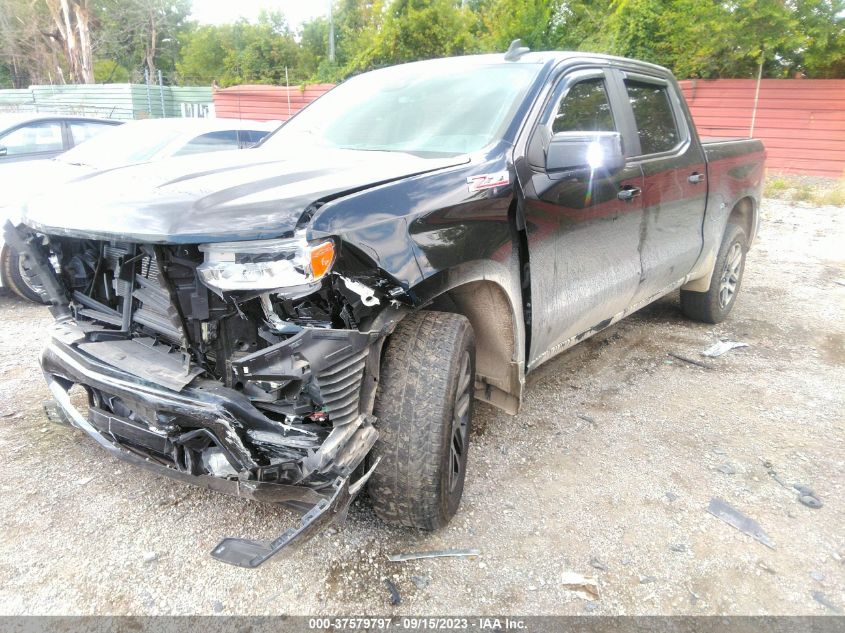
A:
[(674, 187)]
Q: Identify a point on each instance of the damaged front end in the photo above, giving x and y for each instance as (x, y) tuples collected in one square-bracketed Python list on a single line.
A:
[(246, 367)]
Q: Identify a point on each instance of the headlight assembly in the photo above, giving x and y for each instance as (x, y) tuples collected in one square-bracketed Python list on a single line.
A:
[(292, 264)]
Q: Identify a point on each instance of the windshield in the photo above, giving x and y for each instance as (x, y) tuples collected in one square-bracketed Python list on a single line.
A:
[(133, 142), (444, 108)]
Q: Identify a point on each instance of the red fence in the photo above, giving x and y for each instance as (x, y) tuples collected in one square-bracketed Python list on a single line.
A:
[(801, 121), (265, 103)]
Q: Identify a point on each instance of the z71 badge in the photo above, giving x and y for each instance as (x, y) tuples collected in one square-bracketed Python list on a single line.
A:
[(488, 181)]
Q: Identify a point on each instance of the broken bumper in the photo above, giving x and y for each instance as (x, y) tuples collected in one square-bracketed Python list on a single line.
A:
[(226, 418)]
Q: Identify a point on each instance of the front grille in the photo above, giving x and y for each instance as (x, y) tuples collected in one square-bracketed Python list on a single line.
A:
[(340, 386)]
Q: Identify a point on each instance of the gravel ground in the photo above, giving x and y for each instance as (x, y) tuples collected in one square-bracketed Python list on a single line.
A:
[(607, 472)]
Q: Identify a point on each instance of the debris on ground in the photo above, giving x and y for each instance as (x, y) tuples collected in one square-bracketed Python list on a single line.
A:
[(586, 418), (691, 361), (445, 553), (395, 598), (817, 576), (149, 557), (822, 599), (598, 564), (770, 468), (726, 469), (765, 567), (681, 548), (645, 580), (217, 606), (671, 496), (810, 501), (733, 517), (582, 586), (717, 349), (807, 496), (420, 582)]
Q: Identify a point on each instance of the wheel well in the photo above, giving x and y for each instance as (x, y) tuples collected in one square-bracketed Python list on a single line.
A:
[(743, 216), (498, 370)]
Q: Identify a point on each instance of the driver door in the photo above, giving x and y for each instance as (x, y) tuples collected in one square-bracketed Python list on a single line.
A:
[(583, 225)]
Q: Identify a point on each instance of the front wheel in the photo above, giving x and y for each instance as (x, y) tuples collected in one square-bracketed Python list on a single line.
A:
[(714, 305), (424, 407), (15, 276)]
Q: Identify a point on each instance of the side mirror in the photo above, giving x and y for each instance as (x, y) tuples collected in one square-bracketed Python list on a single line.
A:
[(598, 151), (3, 151)]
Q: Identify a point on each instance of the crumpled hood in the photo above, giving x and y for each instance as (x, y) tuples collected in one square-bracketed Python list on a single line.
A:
[(237, 195)]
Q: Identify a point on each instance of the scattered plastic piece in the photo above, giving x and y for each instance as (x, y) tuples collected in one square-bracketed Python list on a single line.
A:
[(446, 553), (717, 349), (584, 587), (810, 501), (735, 518), (395, 598), (822, 599)]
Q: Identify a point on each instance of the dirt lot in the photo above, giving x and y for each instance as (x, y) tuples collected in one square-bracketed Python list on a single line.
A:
[(607, 472)]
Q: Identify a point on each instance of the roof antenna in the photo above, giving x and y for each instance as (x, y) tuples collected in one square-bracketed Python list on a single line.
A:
[(515, 51)]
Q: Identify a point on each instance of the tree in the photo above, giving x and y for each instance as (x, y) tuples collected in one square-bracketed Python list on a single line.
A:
[(422, 29), (503, 21), (142, 34), (241, 53), (72, 31)]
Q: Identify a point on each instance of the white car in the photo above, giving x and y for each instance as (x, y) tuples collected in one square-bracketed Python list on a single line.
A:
[(128, 144)]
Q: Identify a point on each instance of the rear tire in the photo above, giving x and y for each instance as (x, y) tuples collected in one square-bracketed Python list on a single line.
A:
[(13, 276), (714, 305), (424, 407)]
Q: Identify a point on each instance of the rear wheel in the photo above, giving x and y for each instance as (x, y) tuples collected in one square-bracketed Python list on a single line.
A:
[(714, 305), (424, 407), (15, 276)]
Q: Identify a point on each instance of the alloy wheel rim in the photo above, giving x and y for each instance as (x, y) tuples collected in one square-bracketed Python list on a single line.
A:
[(460, 423), (22, 270), (730, 276)]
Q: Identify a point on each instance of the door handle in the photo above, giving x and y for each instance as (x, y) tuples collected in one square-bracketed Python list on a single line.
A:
[(696, 178), (628, 193)]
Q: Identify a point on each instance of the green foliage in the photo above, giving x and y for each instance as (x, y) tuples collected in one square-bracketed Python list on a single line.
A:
[(107, 71), (421, 29), (242, 53), (140, 33), (694, 38)]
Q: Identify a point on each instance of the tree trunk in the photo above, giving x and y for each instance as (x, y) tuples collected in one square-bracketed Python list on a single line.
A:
[(150, 53), (71, 19), (86, 66)]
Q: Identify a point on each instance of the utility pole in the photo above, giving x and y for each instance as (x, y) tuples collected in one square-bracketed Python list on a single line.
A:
[(331, 32)]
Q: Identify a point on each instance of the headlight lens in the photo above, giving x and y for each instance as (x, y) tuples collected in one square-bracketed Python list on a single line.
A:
[(264, 265)]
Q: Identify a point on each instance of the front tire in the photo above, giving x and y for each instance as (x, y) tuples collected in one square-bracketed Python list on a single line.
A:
[(13, 276), (714, 305), (424, 407)]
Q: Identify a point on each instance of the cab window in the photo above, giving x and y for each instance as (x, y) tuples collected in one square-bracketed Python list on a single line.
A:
[(585, 108), (656, 125)]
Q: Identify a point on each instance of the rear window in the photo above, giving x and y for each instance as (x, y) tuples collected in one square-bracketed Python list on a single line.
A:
[(653, 114)]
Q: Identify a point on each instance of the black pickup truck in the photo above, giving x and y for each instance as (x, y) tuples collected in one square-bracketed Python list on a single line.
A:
[(295, 321)]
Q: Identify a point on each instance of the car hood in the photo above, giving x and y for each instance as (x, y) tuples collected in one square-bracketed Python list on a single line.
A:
[(247, 194), (28, 178)]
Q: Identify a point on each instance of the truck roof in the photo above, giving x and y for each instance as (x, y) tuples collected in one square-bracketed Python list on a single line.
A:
[(545, 57)]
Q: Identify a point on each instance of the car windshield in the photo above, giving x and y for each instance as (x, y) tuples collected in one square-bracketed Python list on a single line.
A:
[(133, 142), (442, 108)]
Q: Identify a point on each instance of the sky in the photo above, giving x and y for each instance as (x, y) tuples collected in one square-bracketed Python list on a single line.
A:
[(225, 11)]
